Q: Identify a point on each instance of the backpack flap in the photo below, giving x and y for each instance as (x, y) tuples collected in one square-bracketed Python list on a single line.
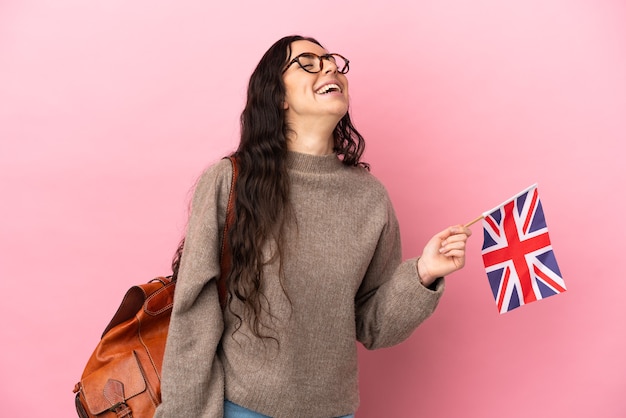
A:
[(112, 385), (133, 301)]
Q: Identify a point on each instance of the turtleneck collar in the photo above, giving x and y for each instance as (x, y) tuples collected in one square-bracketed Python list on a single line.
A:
[(309, 163)]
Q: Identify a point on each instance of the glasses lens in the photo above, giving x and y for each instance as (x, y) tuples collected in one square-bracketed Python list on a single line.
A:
[(340, 62), (309, 62)]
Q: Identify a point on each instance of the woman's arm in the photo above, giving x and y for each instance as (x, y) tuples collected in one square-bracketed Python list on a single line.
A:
[(394, 297), (192, 375)]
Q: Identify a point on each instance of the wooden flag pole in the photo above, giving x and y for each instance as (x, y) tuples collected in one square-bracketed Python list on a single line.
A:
[(467, 225)]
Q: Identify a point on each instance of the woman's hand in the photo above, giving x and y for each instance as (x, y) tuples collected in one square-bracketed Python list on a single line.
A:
[(443, 254)]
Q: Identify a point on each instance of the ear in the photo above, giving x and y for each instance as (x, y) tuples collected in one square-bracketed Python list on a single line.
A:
[(285, 105)]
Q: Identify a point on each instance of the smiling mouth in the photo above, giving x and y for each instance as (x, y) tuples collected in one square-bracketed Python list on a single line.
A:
[(328, 88)]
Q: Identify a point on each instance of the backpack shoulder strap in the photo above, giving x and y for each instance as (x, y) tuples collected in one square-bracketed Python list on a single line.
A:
[(225, 253)]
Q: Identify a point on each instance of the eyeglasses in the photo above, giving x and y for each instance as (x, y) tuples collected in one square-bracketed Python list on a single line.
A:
[(313, 63)]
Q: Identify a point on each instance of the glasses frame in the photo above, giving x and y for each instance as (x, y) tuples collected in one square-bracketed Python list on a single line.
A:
[(327, 57)]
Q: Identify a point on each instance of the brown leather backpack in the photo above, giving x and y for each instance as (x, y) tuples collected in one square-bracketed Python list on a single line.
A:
[(122, 378)]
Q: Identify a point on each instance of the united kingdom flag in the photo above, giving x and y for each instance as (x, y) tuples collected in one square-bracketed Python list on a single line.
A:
[(517, 252)]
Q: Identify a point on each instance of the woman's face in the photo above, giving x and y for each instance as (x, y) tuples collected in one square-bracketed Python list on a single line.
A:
[(314, 96)]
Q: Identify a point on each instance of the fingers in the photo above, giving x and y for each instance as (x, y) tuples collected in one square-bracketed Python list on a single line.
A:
[(460, 229), (452, 248), (444, 253), (453, 245), (457, 233), (454, 230)]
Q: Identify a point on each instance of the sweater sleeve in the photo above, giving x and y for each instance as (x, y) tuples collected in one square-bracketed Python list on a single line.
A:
[(391, 302), (192, 375)]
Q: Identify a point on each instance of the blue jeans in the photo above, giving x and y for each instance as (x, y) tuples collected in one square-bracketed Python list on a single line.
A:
[(232, 410)]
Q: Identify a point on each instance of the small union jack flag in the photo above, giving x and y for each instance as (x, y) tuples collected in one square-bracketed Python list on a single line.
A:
[(517, 252)]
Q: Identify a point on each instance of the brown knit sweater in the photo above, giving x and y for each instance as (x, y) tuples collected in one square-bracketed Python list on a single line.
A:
[(343, 281)]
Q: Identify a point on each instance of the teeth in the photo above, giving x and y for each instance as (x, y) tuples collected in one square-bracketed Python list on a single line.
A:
[(327, 88)]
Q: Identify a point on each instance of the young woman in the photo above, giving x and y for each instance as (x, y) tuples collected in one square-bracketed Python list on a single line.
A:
[(317, 257)]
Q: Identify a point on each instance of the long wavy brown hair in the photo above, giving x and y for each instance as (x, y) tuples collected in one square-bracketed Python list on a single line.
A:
[(262, 192)]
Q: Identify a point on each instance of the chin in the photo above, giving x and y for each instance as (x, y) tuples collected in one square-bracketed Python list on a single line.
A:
[(340, 109)]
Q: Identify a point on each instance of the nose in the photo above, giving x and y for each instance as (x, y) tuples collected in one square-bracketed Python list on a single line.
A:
[(328, 66)]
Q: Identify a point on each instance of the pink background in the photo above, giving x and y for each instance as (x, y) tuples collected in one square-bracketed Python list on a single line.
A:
[(109, 110)]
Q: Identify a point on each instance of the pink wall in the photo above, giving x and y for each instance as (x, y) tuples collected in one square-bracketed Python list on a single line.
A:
[(110, 109)]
